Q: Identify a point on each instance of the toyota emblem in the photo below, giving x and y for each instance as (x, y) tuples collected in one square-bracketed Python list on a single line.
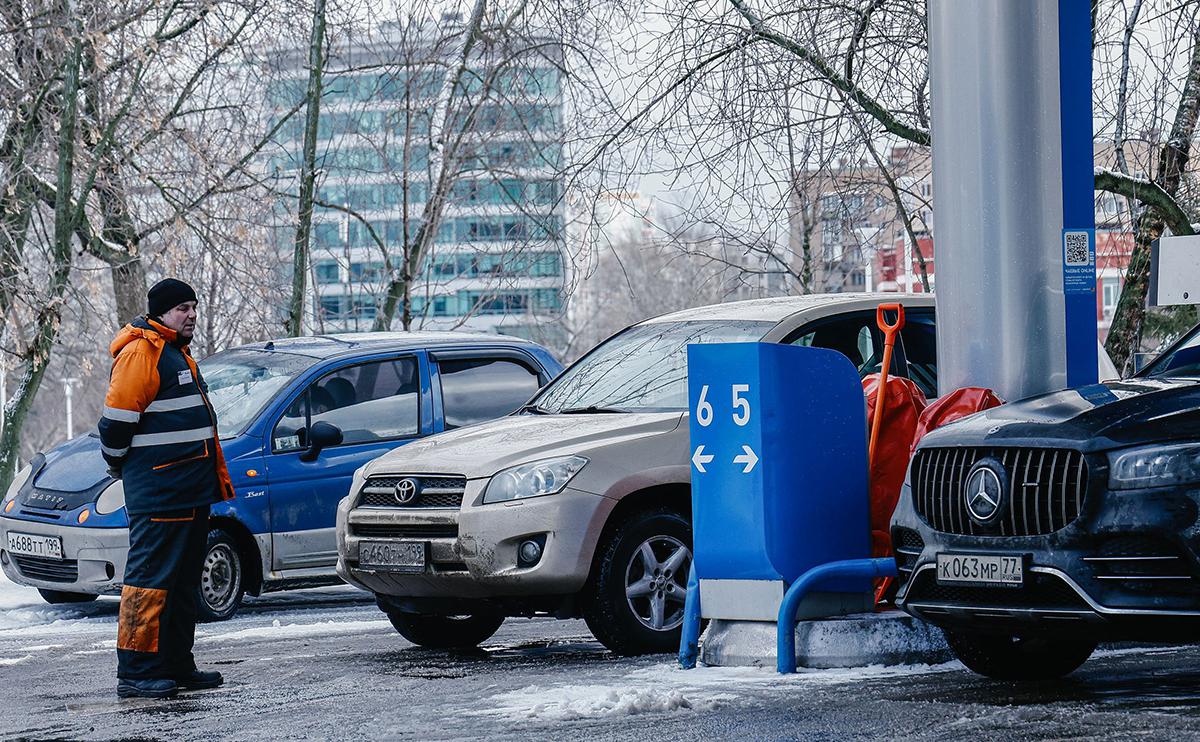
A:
[(984, 491), (406, 491)]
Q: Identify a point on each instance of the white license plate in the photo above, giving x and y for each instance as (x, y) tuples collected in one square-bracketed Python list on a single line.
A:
[(26, 544), (980, 569), (396, 556)]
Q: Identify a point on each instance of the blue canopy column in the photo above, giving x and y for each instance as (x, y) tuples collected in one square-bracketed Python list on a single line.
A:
[(1013, 194)]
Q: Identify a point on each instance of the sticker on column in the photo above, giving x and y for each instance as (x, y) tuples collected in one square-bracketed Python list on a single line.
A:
[(1079, 259)]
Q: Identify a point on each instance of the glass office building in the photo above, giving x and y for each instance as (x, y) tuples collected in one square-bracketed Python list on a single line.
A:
[(496, 261)]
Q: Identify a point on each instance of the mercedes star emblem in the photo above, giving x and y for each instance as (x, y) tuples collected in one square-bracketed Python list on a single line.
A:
[(406, 491), (983, 493)]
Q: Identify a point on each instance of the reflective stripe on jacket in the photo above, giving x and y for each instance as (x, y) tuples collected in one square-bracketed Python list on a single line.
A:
[(158, 427)]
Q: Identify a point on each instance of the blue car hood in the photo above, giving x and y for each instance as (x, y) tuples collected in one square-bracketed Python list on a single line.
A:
[(74, 466)]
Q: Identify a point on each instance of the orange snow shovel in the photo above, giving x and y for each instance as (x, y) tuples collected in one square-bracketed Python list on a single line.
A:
[(889, 343)]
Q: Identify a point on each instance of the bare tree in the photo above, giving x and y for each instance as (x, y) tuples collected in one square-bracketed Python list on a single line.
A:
[(727, 88)]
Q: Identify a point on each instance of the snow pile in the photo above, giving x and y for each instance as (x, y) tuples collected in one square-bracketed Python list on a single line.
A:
[(293, 630), (664, 688), (13, 595), (569, 702), (23, 611)]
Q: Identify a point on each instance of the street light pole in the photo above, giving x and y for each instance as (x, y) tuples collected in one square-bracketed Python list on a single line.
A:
[(69, 391)]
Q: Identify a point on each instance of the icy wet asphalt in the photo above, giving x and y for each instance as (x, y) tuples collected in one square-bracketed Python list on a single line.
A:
[(327, 665)]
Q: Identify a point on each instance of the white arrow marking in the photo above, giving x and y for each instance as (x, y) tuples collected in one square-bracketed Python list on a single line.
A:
[(700, 459), (749, 458)]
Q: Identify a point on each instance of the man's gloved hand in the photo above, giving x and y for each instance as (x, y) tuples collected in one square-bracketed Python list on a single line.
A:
[(114, 472)]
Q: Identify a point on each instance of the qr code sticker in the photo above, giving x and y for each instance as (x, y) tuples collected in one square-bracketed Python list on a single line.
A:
[(1075, 245)]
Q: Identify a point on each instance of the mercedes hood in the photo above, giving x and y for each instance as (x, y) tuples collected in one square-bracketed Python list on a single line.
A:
[(1091, 418)]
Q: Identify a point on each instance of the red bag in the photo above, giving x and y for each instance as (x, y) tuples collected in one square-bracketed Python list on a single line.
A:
[(903, 405), (907, 417), (953, 406)]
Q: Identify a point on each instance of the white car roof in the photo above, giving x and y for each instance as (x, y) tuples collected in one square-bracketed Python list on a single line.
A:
[(779, 309)]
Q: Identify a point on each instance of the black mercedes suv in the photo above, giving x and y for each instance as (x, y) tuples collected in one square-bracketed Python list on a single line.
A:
[(1034, 530)]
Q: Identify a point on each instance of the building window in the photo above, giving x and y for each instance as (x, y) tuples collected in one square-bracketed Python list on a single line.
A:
[(366, 272), (365, 308), (1111, 294), (327, 271), (829, 232), (333, 307)]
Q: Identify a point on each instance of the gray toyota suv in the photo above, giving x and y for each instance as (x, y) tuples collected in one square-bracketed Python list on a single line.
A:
[(579, 503)]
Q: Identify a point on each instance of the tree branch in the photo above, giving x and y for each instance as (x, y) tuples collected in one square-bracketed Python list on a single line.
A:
[(1147, 192), (825, 70)]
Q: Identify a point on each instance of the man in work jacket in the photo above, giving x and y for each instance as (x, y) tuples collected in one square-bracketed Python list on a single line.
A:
[(159, 435)]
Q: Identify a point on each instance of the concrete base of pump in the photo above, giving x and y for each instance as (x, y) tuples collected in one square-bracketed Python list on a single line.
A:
[(858, 640)]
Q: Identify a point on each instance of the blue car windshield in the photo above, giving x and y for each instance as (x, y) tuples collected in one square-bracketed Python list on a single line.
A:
[(1183, 360), (242, 382), (643, 369)]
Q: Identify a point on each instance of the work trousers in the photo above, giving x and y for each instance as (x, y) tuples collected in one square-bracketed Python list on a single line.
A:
[(157, 624)]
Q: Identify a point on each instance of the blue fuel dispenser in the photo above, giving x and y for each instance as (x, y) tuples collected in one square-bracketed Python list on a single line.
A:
[(779, 487)]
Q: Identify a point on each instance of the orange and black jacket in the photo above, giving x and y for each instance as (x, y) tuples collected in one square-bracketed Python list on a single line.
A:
[(159, 428)]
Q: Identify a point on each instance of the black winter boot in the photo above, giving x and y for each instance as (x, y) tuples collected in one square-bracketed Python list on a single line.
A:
[(200, 679), (147, 688)]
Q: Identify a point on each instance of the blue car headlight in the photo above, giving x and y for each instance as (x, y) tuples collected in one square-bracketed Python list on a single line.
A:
[(18, 482), (111, 499), (537, 478), (1160, 465)]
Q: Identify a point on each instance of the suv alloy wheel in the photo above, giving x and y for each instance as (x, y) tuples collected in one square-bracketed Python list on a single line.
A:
[(634, 601)]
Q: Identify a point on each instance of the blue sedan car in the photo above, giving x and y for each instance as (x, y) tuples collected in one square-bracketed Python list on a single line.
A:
[(297, 417)]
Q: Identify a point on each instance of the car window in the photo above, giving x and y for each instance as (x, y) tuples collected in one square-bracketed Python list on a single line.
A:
[(920, 351), (242, 382), (1181, 360), (853, 336), (642, 369), (368, 402), (479, 389)]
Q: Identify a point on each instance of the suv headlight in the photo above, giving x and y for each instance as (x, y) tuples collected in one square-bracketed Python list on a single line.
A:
[(18, 482), (1154, 466), (111, 499), (537, 478)]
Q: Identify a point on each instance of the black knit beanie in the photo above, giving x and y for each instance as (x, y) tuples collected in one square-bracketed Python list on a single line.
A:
[(168, 294)]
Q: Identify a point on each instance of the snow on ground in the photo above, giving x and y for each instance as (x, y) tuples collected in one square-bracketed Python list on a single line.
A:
[(13, 595), (278, 630), (22, 610), (667, 688)]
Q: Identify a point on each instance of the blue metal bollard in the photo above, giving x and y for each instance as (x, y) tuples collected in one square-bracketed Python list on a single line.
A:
[(785, 643), (689, 643)]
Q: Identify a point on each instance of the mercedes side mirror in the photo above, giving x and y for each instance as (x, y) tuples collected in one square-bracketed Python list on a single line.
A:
[(321, 435)]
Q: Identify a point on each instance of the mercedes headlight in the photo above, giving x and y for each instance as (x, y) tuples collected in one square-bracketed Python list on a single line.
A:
[(111, 499), (537, 478), (1154, 466), (18, 482)]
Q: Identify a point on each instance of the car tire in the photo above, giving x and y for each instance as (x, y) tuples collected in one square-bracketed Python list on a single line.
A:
[(634, 600), (446, 632), (221, 588), (58, 597), (1003, 657)]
